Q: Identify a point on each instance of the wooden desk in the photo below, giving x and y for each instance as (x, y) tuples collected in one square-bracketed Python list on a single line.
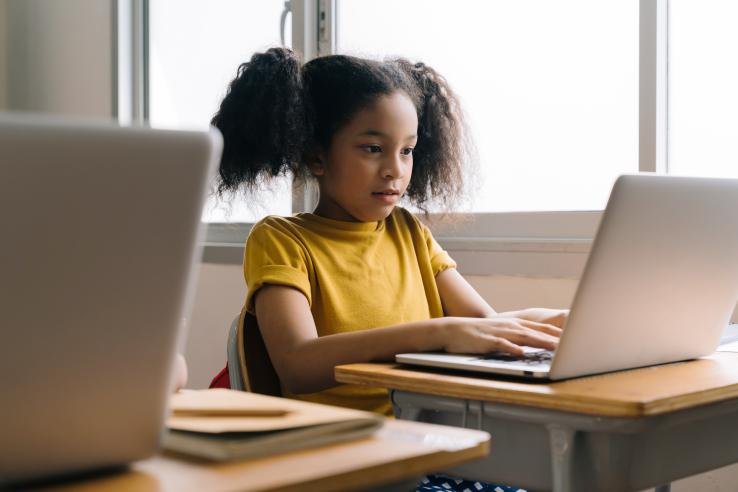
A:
[(628, 430), (395, 458)]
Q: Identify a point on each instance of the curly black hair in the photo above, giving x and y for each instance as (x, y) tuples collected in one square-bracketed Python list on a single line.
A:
[(277, 112)]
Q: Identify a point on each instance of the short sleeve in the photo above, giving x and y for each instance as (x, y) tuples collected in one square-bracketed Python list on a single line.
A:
[(274, 255), (440, 259)]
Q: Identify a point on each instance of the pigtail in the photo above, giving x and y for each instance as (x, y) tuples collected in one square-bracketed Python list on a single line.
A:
[(262, 119), (444, 149)]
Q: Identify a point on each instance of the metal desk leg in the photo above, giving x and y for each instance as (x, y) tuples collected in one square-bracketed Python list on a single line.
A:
[(562, 453), (611, 459), (406, 412)]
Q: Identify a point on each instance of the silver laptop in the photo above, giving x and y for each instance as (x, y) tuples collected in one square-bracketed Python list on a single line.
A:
[(100, 230), (660, 284)]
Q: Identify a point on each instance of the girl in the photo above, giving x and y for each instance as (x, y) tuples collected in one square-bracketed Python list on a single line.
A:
[(359, 279)]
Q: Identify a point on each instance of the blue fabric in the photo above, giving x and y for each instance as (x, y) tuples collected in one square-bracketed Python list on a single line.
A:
[(444, 483)]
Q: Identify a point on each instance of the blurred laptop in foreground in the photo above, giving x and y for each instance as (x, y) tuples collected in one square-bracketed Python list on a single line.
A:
[(101, 231)]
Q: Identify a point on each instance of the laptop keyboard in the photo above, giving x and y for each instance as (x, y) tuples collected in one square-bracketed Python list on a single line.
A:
[(532, 358)]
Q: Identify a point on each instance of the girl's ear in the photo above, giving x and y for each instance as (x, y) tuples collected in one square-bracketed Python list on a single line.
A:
[(317, 168), (316, 165)]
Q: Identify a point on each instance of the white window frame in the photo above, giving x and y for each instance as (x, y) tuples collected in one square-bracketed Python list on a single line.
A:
[(131, 61), (546, 244)]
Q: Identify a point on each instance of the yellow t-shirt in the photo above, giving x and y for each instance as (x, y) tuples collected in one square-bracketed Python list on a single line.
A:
[(355, 276)]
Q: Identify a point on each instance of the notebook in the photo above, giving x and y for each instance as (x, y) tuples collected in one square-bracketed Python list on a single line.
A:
[(237, 425), (660, 284), (100, 242)]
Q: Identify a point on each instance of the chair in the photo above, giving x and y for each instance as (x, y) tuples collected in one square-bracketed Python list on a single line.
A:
[(249, 365)]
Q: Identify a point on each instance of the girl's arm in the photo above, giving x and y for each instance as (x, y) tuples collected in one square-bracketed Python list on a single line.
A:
[(305, 362), (460, 299)]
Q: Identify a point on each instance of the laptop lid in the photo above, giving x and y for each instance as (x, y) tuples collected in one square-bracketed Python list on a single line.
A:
[(100, 240), (660, 284)]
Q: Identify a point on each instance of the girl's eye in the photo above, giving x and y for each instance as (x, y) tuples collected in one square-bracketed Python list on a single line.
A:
[(372, 149), (407, 151)]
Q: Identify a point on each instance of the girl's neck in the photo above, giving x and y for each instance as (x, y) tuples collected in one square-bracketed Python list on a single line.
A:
[(333, 211)]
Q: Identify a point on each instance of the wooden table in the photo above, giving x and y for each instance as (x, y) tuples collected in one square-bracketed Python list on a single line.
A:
[(395, 458), (628, 430)]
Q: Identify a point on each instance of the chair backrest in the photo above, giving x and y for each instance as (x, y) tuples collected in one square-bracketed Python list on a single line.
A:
[(235, 377), (254, 366)]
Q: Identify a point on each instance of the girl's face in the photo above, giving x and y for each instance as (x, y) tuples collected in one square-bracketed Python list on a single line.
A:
[(367, 168)]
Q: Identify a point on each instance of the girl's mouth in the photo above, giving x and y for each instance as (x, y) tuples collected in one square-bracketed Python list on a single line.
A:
[(387, 196)]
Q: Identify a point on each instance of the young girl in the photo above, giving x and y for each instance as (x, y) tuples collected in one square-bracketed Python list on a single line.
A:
[(359, 279)]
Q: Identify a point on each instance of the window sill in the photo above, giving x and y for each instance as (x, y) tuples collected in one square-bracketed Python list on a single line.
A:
[(526, 257)]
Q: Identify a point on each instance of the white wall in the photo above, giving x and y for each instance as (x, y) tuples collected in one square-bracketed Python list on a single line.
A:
[(59, 56), (218, 299)]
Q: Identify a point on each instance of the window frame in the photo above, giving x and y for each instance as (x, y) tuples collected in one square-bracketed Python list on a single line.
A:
[(547, 244)]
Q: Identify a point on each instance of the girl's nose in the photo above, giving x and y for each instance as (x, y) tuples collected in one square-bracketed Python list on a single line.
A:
[(393, 168)]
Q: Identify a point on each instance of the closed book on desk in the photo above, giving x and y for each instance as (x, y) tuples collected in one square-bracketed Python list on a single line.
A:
[(224, 425)]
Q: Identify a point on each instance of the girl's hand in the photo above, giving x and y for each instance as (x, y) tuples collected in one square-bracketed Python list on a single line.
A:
[(498, 333), (556, 317)]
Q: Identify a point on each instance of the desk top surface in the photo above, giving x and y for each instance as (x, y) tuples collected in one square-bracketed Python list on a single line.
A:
[(400, 450), (634, 393)]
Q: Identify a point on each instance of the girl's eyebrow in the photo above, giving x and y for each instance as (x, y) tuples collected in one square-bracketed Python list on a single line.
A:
[(377, 133)]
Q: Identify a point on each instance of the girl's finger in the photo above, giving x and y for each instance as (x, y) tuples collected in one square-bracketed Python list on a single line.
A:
[(537, 339), (542, 327), (497, 344)]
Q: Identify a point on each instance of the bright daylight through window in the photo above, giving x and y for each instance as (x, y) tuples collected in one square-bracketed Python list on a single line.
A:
[(703, 99), (550, 88), (195, 50)]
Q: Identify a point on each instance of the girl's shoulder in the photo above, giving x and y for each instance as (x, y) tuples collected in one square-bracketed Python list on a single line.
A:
[(403, 218), (276, 227), (274, 221), (286, 222), (413, 227)]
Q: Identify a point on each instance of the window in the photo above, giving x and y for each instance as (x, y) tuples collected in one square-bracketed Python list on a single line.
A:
[(550, 89), (195, 48), (703, 99), (562, 95)]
